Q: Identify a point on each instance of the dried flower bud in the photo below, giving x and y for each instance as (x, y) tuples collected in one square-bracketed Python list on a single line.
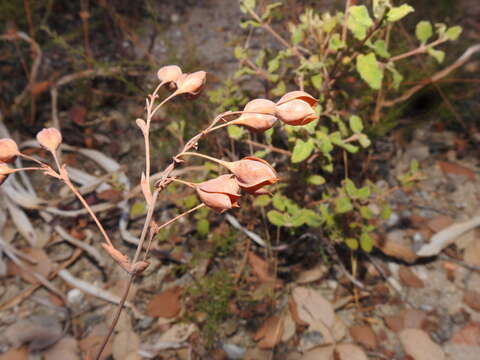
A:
[(219, 194), (298, 95), (50, 139), (169, 73), (8, 150), (252, 173), (191, 83), (263, 120), (295, 112), (5, 169)]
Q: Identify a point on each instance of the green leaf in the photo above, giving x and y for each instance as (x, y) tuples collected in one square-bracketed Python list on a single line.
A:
[(386, 212), (355, 124), (297, 35), (438, 55), (453, 33), (380, 47), (138, 208), (351, 243), (279, 201), (350, 188), (366, 242), (240, 53), (364, 140), (424, 31), (262, 200), (316, 180), (235, 132), (343, 205), (397, 13), (203, 227), (260, 153), (317, 81), (274, 64), (302, 150), (379, 7), (336, 42), (359, 21), (246, 24), (397, 77), (269, 8), (366, 213), (370, 71), (311, 218), (247, 4), (363, 193), (276, 218), (280, 89)]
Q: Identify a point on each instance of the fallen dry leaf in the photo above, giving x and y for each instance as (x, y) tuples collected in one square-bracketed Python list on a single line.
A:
[(167, 304), (472, 299), (20, 353), (468, 335), (40, 87), (38, 332), (111, 195), (42, 267), (319, 353), (313, 307), (349, 352), (394, 322), (413, 318), (419, 346), (65, 349), (90, 345), (408, 278), (439, 223), (289, 328), (472, 253), (311, 275), (261, 269), (125, 345), (456, 169), (364, 335), (270, 333)]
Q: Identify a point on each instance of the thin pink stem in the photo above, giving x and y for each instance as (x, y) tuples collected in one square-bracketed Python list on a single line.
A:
[(218, 161)]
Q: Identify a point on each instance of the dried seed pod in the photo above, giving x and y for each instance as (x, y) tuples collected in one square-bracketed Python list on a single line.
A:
[(50, 139), (192, 83), (258, 116), (169, 73), (252, 173), (219, 194), (298, 95), (8, 150), (295, 112)]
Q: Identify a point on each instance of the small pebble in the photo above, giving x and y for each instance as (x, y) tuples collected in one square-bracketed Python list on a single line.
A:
[(234, 351)]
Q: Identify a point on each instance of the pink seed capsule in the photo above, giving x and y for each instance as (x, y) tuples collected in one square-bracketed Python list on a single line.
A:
[(298, 95), (252, 173), (192, 83), (258, 115), (50, 139), (295, 112), (220, 194), (8, 150), (169, 73)]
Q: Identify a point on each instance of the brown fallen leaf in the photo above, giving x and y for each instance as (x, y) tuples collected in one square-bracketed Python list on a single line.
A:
[(270, 333), (456, 169), (261, 269), (111, 195), (42, 267), (167, 304), (472, 299), (439, 223), (65, 349), (408, 278), (20, 353), (319, 353), (349, 352), (472, 253), (38, 332), (77, 114), (468, 335), (419, 346), (364, 335), (413, 318), (90, 345), (40, 87), (125, 345), (394, 322), (311, 275)]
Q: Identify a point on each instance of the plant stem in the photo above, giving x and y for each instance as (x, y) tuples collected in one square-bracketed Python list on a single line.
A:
[(199, 206), (188, 183), (218, 161), (420, 50)]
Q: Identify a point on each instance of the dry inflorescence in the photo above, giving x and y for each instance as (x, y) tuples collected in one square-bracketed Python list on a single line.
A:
[(249, 174)]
